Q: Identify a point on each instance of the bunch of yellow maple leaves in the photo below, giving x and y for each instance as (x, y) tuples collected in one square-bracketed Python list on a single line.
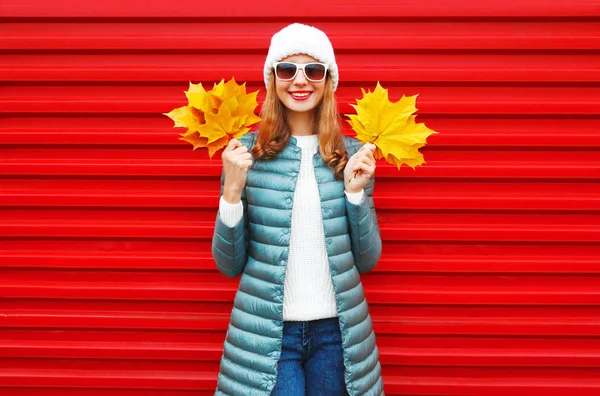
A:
[(214, 117), (391, 127)]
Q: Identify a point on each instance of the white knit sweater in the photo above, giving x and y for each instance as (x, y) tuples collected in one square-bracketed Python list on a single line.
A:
[(308, 289)]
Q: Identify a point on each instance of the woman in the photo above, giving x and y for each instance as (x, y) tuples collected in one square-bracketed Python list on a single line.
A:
[(296, 219)]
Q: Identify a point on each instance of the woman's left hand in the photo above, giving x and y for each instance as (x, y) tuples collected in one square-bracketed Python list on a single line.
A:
[(363, 164)]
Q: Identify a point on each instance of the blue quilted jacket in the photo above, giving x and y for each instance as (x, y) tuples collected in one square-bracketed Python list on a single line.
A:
[(258, 246)]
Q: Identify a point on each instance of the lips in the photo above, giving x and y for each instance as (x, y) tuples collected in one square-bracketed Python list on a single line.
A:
[(300, 95)]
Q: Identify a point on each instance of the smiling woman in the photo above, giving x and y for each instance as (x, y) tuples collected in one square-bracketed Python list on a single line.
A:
[(300, 230)]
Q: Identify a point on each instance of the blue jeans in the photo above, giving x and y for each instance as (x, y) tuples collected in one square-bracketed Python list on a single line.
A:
[(312, 360)]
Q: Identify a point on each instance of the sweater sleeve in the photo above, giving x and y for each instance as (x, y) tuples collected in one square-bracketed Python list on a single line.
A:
[(230, 213), (355, 198), (364, 230)]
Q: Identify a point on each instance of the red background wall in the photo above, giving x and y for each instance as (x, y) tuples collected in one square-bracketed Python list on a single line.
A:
[(489, 282)]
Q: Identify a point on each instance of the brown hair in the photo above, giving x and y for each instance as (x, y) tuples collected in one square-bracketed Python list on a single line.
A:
[(274, 133)]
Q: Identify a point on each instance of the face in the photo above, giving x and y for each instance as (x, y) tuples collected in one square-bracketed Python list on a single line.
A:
[(300, 94)]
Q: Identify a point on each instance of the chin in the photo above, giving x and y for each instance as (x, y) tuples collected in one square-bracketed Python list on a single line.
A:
[(300, 109)]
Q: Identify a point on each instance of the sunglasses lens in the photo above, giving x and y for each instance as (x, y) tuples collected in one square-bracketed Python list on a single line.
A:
[(315, 71), (285, 71)]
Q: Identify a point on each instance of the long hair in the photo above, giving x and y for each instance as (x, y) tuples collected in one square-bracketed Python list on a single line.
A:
[(274, 132)]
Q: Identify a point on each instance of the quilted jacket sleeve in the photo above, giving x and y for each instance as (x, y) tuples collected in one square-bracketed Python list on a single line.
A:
[(364, 230), (230, 244)]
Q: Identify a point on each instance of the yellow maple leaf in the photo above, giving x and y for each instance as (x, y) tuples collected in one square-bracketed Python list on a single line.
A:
[(214, 117), (197, 141), (194, 138), (197, 97), (185, 117), (391, 127)]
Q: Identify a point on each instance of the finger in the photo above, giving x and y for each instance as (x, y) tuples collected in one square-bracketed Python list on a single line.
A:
[(357, 157), (247, 164), (365, 170), (361, 153), (365, 165), (370, 147), (241, 164), (359, 166), (245, 156), (361, 150), (240, 149), (367, 147), (366, 160), (371, 155), (233, 143)]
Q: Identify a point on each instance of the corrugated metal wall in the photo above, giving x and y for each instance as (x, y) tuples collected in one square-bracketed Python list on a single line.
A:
[(489, 283)]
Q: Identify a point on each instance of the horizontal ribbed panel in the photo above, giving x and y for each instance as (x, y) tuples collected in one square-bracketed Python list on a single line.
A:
[(489, 281), (425, 67), (254, 36), (332, 9)]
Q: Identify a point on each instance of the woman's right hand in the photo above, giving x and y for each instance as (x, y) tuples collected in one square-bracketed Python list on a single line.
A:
[(236, 163)]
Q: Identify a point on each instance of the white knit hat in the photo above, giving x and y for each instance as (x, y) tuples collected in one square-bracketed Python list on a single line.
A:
[(301, 39)]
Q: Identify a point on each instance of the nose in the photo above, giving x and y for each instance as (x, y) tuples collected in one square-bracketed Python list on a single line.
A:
[(300, 78)]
